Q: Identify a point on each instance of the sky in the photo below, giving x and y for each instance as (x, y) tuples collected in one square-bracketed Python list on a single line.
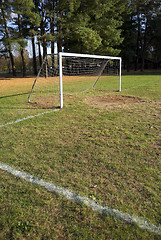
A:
[(29, 49)]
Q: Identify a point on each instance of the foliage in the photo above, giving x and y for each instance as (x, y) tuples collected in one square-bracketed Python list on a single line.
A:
[(128, 28), (98, 20), (140, 43)]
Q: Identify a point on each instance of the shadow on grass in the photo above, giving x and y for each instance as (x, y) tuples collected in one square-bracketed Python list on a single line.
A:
[(14, 95), (31, 108), (33, 105), (8, 76), (124, 73)]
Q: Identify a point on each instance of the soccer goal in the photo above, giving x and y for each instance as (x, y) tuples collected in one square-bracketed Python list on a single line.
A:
[(72, 73)]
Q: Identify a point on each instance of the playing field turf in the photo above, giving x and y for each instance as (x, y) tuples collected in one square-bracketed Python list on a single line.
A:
[(103, 146)]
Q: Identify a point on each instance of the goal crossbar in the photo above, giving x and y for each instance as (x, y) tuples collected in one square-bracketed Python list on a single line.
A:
[(87, 55)]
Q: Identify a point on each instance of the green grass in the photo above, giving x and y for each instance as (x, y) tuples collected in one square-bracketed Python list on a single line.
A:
[(110, 155)]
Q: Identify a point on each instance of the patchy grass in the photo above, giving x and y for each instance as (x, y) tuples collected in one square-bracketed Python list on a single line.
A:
[(110, 155)]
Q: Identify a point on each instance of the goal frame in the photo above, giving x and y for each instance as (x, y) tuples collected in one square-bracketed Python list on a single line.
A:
[(64, 54)]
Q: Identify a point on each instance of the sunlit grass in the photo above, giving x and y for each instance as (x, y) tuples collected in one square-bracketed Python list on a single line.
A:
[(110, 155)]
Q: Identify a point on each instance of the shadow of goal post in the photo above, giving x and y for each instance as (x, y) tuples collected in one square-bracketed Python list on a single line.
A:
[(64, 54)]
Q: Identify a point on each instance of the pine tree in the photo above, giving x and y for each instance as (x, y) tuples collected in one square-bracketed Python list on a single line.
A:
[(143, 14), (128, 46), (23, 12), (33, 24), (155, 46), (94, 27), (7, 39)]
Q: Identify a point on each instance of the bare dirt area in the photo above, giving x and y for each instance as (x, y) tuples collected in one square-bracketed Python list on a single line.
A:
[(46, 102), (50, 102), (111, 101)]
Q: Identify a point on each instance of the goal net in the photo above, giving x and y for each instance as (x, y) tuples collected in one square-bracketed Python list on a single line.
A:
[(45, 89), (68, 73)]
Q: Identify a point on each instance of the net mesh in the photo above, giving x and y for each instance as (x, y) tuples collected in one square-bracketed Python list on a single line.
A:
[(88, 73), (80, 74), (45, 90)]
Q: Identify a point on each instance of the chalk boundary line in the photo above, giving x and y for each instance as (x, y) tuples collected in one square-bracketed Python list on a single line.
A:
[(26, 118), (105, 210)]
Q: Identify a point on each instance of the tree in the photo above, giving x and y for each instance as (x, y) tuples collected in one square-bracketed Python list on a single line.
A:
[(144, 12), (129, 35), (128, 46), (23, 12), (155, 46), (18, 60), (107, 21), (7, 39), (33, 23), (140, 32), (94, 27)]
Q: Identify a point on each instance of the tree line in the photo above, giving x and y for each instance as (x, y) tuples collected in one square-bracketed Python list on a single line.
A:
[(128, 28)]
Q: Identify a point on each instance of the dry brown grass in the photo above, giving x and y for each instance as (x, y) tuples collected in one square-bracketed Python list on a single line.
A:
[(12, 84)]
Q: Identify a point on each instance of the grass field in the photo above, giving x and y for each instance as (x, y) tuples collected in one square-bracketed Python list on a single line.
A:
[(102, 145)]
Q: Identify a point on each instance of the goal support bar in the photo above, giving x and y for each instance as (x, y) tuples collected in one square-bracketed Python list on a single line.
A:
[(100, 73), (61, 79)]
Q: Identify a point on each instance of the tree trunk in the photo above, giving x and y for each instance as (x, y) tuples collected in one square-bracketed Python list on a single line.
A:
[(23, 63), (42, 26), (22, 50), (138, 42), (59, 43), (34, 56), (52, 41), (44, 49), (52, 30), (59, 40), (144, 47), (40, 57), (12, 63)]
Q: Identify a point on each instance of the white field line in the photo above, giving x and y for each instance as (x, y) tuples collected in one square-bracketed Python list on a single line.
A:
[(26, 118), (132, 219)]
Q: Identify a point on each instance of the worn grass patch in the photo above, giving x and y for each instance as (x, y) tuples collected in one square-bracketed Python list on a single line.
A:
[(110, 155)]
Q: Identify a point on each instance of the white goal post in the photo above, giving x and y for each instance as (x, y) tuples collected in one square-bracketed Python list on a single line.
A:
[(64, 54), (65, 74)]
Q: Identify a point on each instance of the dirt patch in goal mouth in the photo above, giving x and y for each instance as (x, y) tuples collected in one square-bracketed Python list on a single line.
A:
[(48, 102), (111, 101)]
